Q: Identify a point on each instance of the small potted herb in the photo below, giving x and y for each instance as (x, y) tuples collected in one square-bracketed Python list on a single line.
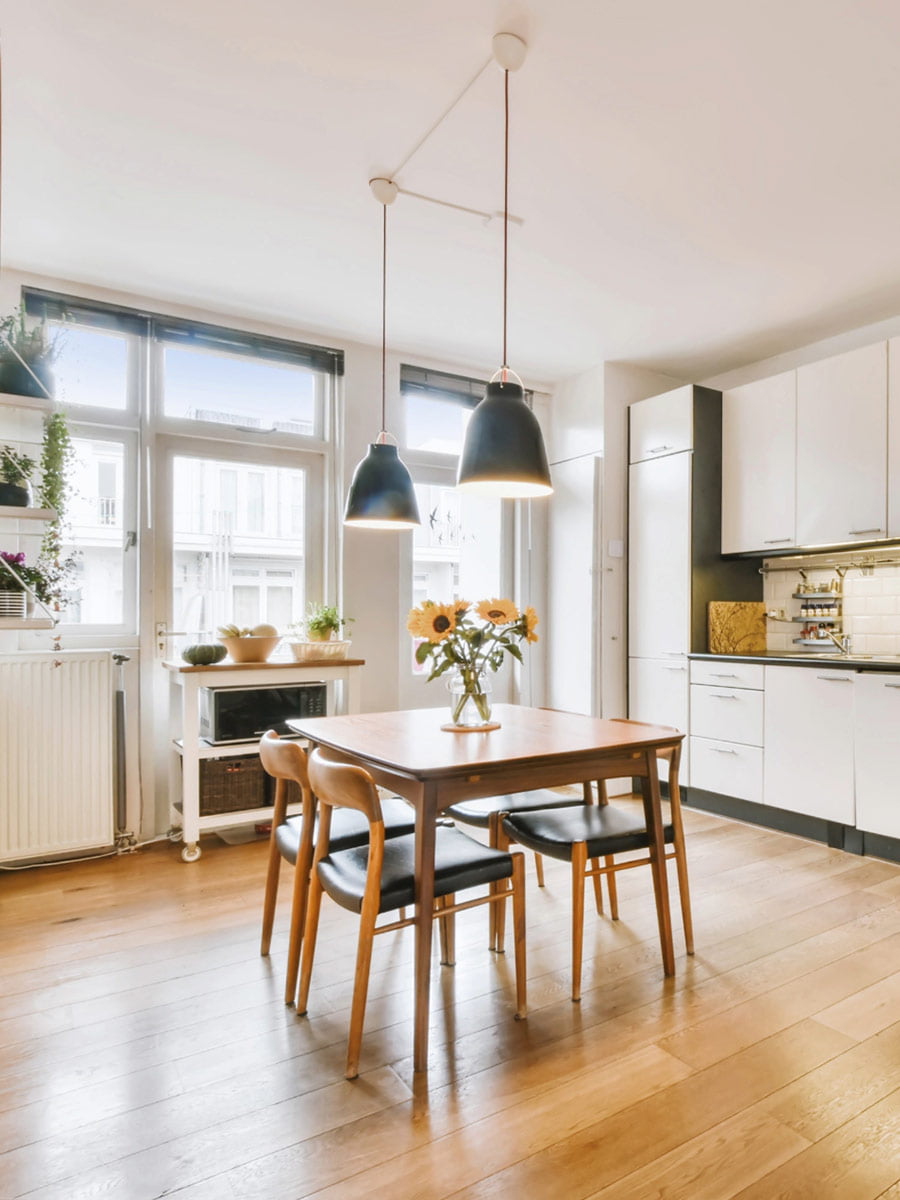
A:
[(324, 622), (15, 477)]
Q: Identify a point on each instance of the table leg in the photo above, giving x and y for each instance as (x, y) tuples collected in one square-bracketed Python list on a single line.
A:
[(426, 816), (653, 817)]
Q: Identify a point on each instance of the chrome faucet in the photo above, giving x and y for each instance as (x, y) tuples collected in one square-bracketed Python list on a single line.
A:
[(842, 641)]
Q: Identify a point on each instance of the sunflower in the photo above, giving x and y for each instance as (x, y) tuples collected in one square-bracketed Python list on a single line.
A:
[(498, 612), (531, 619), (433, 622)]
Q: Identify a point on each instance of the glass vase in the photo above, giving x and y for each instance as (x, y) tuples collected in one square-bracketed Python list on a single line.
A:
[(470, 700)]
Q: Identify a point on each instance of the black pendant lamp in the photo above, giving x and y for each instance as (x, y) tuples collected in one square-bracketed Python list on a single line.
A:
[(381, 494), (503, 452)]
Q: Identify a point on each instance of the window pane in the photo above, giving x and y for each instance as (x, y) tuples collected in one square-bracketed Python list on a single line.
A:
[(456, 549), (92, 368), (206, 386), (435, 424), (97, 520), (225, 571)]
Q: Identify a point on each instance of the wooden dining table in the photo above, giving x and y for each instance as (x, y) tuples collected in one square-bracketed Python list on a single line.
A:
[(410, 754)]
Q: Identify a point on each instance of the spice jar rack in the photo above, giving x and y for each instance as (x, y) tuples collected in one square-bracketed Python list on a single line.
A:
[(820, 614)]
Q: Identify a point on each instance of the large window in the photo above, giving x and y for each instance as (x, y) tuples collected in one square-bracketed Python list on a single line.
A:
[(231, 513)]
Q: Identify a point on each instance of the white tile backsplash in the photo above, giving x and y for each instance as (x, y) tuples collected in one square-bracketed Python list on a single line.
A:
[(871, 602)]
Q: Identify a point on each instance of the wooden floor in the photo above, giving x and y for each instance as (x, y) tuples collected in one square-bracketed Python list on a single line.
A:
[(146, 1052)]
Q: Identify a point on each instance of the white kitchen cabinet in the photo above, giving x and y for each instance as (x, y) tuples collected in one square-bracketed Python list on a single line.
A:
[(727, 768), (808, 764), (894, 438), (841, 455), (759, 445), (877, 720), (659, 557), (662, 425), (658, 692)]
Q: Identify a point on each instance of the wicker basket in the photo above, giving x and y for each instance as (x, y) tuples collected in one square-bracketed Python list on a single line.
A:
[(319, 651), (232, 784)]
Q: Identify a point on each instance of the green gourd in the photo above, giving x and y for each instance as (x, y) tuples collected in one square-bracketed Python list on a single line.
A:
[(204, 655)]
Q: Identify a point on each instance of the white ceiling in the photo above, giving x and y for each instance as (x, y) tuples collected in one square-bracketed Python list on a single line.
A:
[(703, 184)]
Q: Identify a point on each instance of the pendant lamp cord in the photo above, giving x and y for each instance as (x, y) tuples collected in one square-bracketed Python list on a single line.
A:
[(505, 211), (383, 322)]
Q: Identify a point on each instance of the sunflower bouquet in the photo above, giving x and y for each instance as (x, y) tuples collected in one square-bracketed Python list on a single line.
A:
[(471, 639)]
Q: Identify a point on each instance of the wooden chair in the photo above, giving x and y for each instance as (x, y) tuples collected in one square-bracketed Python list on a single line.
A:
[(292, 839), (380, 878), (601, 831)]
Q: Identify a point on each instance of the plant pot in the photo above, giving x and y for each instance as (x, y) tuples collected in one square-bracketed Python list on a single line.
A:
[(16, 380), (317, 635), (15, 496)]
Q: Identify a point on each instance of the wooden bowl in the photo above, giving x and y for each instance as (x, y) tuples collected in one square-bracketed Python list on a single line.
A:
[(250, 649)]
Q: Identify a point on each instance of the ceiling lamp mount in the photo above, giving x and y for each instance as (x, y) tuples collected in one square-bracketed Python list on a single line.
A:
[(381, 494), (503, 453)]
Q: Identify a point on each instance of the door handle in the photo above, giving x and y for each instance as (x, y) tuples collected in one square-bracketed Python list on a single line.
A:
[(658, 449), (720, 750), (776, 541), (857, 532), (835, 678)]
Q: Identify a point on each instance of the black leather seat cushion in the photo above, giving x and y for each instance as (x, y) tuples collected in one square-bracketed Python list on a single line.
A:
[(459, 862), (606, 829), (349, 827), (478, 812)]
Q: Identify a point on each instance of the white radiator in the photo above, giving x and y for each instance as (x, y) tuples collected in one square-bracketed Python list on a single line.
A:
[(56, 753)]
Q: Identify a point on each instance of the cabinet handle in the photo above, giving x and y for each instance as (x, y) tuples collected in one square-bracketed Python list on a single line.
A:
[(855, 532), (835, 678), (666, 667), (776, 541), (659, 449), (719, 750), (723, 695), (674, 653), (722, 675), (893, 685)]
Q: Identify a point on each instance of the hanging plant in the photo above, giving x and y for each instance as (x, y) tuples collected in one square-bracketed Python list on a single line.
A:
[(57, 461)]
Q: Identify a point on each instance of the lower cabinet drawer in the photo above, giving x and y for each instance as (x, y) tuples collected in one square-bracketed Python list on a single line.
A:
[(727, 768), (727, 714)]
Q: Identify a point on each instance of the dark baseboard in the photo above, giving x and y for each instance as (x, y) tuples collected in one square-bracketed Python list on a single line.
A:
[(832, 833)]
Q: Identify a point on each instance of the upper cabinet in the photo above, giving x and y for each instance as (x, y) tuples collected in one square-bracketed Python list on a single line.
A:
[(662, 425), (759, 443), (841, 448), (894, 438)]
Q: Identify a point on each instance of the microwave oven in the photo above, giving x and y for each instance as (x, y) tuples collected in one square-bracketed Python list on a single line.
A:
[(243, 714)]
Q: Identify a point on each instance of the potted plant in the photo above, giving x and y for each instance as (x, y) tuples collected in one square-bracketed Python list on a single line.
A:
[(15, 476), (27, 354), (323, 622), (56, 465)]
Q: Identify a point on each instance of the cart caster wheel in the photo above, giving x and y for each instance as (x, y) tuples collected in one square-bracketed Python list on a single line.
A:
[(191, 853)]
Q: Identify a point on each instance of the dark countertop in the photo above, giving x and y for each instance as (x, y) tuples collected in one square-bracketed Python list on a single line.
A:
[(851, 662)]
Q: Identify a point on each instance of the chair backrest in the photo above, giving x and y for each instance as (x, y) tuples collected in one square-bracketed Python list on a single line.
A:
[(343, 785), (286, 762)]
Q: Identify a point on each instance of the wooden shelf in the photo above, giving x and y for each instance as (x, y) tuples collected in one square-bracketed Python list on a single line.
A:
[(13, 512)]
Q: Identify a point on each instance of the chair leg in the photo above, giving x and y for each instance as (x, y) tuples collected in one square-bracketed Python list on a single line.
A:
[(497, 912), (539, 869), (613, 889), (579, 863), (271, 895), (311, 932), (298, 919), (518, 901), (360, 986), (597, 880), (447, 931)]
